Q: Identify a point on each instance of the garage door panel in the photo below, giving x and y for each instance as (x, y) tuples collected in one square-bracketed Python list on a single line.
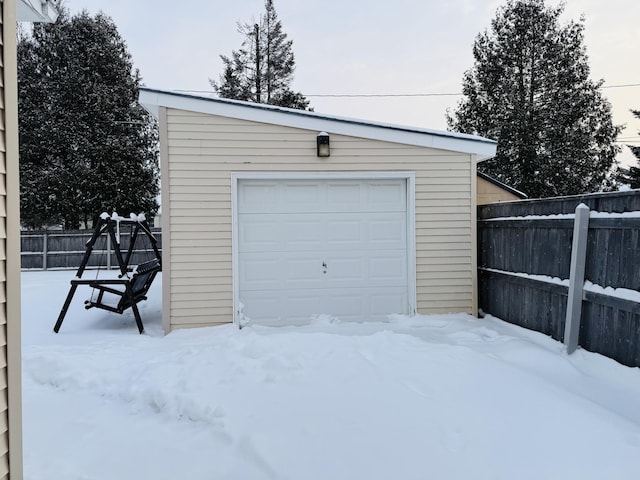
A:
[(301, 272), (266, 233), (382, 196), (280, 271), (388, 269), (260, 273), (322, 231), (377, 269), (387, 231), (356, 304), (314, 196), (305, 196), (300, 232), (291, 270), (341, 271), (388, 301), (345, 232), (258, 234), (347, 305), (253, 195), (283, 196), (279, 308), (344, 196)]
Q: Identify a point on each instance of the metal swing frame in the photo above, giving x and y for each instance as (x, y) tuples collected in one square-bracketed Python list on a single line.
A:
[(131, 290)]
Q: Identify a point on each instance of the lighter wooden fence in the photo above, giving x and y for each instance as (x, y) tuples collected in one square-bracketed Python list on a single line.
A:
[(63, 250), (524, 259)]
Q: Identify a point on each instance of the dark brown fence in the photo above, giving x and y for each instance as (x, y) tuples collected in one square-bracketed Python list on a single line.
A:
[(524, 264), (44, 250)]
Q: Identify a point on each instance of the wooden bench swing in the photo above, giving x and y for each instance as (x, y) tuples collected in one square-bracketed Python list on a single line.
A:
[(111, 294)]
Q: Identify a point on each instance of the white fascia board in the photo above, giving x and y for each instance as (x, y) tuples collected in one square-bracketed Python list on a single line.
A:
[(36, 11), (481, 147)]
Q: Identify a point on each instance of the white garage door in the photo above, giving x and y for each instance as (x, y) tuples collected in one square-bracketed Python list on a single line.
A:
[(311, 247)]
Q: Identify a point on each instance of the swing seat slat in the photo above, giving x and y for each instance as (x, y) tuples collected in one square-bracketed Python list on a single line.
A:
[(131, 290)]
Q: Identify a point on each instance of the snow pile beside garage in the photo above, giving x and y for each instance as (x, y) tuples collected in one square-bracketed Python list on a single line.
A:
[(444, 396)]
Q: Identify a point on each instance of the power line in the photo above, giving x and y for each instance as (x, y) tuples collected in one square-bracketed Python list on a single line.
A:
[(352, 94), (368, 95), (622, 86), (396, 95), (381, 95)]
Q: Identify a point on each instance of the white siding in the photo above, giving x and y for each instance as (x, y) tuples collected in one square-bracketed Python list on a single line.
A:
[(203, 150), (4, 425), (10, 371)]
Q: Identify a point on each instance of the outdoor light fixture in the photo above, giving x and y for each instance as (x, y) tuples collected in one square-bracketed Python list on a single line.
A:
[(323, 144)]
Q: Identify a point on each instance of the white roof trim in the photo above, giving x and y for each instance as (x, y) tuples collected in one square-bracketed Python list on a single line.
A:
[(36, 11), (458, 142)]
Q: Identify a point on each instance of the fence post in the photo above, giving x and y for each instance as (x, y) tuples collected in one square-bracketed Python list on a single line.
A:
[(45, 250), (576, 278)]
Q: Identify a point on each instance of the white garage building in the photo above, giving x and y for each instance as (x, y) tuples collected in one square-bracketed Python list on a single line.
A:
[(273, 215)]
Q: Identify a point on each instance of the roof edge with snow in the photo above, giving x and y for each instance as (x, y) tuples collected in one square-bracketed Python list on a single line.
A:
[(36, 11), (152, 100)]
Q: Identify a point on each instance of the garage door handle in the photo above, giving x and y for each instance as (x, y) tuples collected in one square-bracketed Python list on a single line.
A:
[(324, 267)]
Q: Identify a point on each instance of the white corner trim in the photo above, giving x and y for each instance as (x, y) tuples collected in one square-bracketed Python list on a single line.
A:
[(410, 178), (235, 273), (411, 243), (163, 131)]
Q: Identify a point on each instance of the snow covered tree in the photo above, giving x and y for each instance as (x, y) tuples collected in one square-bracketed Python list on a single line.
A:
[(529, 89), (262, 69), (632, 176), (86, 145)]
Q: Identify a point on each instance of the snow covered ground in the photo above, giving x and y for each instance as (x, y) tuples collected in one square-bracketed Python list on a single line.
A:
[(429, 397)]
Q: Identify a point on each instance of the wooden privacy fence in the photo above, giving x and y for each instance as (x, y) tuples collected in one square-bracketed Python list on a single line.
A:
[(44, 250), (524, 260)]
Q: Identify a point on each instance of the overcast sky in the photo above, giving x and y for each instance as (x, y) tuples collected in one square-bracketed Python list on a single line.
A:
[(365, 47)]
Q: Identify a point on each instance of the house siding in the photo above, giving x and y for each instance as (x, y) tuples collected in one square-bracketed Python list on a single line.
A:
[(490, 193), (10, 361), (203, 150), (4, 397)]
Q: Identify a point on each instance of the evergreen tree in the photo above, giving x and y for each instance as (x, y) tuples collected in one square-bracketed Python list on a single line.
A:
[(632, 176), (529, 89), (86, 145), (262, 69)]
